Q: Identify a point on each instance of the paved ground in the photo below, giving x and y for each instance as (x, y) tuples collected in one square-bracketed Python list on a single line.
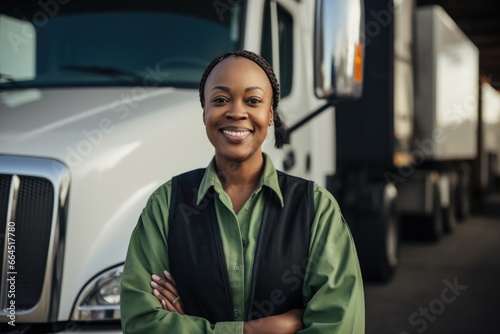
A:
[(449, 287)]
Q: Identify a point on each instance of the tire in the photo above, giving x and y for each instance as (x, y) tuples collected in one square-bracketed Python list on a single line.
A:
[(433, 225), (449, 213), (462, 209), (377, 234)]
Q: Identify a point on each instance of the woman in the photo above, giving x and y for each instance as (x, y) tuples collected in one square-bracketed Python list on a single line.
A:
[(252, 250)]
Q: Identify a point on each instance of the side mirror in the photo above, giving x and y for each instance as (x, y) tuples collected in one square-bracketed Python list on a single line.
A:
[(338, 48)]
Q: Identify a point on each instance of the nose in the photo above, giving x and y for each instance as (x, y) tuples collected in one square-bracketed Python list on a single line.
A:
[(236, 111)]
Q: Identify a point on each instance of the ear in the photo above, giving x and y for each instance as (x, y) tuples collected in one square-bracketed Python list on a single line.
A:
[(203, 115), (271, 116)]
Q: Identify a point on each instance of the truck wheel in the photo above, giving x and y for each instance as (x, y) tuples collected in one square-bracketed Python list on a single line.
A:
[(378, 234), (433, 226), (449, 213), (463, 195)]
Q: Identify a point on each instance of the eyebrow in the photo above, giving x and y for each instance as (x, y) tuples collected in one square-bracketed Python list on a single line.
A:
[(253, 88), (226, 89)]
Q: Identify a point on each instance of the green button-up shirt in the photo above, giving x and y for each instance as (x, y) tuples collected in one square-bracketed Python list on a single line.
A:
[(332, 287)]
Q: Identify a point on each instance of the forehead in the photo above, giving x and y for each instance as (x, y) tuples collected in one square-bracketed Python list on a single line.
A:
[(238, 70)]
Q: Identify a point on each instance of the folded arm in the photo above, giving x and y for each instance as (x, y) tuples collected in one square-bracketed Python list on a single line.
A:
[(333, 285), (148, 254), (289, 322)]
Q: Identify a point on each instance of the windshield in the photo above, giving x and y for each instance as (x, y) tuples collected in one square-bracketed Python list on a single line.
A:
[(113, 43)]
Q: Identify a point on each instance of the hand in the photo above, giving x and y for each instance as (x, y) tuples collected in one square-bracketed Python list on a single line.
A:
[(288, 322), (165, 291)]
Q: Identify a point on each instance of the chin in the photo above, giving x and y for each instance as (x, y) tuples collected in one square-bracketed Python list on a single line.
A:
[(237, 155)]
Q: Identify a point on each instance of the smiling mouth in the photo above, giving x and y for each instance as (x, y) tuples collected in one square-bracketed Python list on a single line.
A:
[(241, 134)]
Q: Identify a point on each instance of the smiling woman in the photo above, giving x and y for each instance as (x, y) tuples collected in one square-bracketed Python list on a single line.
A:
[(252, 249), (237, 116)]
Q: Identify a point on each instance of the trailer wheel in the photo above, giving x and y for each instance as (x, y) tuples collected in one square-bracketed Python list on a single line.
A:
[(449, 213), (433, 225), (463, 194), (377, 234)]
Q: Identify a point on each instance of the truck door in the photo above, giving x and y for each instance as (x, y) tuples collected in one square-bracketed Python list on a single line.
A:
[(289, 51)]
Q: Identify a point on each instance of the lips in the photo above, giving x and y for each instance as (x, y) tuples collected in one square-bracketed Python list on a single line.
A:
[(235, 134)]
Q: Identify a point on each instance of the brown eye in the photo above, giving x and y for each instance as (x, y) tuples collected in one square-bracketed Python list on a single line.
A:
[(253, 101), (220, 100)]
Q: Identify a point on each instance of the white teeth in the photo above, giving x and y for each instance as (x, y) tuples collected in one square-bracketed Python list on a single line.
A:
[(236, 133)]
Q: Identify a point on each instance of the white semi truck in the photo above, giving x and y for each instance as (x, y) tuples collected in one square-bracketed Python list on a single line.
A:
[(416, 126), (490, 138), (99, 106)]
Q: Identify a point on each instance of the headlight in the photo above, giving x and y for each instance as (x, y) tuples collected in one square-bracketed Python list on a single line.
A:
[(100, 299)]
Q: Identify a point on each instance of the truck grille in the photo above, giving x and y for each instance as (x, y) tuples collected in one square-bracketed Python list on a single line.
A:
[(33, 195), (32, 223)]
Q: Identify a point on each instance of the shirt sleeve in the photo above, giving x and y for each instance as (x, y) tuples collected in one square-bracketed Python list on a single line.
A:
[(147, 254), (333, 286)]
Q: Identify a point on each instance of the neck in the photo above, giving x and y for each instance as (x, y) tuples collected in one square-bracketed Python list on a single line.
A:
[(239, 173)]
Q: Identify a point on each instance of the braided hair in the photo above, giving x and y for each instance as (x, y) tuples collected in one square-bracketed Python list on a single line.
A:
[(280, 129)]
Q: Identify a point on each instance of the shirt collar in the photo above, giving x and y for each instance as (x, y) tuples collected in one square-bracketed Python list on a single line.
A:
[(269, 178)]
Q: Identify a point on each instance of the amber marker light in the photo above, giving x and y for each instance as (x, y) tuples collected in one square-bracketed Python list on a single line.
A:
[(358, 63)]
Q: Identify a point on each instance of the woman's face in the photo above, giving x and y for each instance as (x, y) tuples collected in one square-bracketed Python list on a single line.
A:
[(238, 112)]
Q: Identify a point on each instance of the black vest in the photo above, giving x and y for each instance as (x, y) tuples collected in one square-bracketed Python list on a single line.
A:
[(197, 258)]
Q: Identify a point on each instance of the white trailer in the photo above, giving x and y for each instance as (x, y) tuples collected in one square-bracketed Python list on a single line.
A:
[(490, 107), (415, 127), (446, 122)]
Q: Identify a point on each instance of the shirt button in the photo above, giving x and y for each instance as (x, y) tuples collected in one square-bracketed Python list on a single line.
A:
[(236, 268), (236, 314)]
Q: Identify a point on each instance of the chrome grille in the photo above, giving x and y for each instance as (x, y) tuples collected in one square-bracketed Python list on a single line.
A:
[(33, 194), (5, 181), (33, 222)]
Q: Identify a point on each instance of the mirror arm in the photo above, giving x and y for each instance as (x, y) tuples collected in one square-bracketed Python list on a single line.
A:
[(310, 116)]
